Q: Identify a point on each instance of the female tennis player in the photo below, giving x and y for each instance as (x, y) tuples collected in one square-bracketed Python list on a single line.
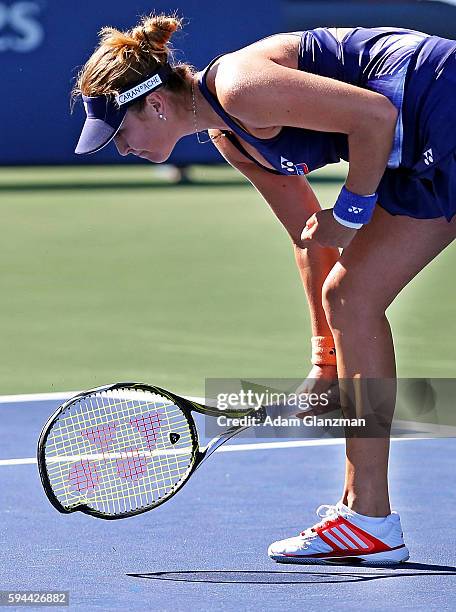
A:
[(382, 99)]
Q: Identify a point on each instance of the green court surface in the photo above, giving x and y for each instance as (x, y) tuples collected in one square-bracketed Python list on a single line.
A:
[(114, 273)]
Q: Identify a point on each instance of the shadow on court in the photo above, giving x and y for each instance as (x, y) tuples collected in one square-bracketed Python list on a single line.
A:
[(299, 577)]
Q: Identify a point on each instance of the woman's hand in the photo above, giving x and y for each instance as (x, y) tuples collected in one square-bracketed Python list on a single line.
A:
[(324, 229), (323, 381)]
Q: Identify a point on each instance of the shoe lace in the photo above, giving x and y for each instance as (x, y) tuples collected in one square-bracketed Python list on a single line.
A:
[(326, 512)]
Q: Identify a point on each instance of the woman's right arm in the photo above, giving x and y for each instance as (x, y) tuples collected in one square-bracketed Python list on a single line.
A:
[(293, 202)]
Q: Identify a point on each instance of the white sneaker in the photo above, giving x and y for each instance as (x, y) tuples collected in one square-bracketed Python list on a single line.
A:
[(344, 535)]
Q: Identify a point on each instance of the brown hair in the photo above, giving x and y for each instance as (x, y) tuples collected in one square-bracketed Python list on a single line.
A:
[(123, 58)]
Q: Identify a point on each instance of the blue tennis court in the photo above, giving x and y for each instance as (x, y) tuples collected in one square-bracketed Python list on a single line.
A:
[(206, 548)]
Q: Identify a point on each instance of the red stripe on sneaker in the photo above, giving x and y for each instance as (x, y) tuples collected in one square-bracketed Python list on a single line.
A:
[(331, 535), (350, 536), (373, 544)]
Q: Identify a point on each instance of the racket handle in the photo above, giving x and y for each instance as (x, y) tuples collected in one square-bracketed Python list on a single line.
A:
[(258, 414)]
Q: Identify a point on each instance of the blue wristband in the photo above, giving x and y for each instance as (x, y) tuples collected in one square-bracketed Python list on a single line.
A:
[(354, 208)]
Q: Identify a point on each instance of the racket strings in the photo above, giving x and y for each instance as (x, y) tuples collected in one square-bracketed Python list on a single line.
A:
[(134, 465), (132, 468), (101, 436), (111, 493), (148, 426), (83, 476)]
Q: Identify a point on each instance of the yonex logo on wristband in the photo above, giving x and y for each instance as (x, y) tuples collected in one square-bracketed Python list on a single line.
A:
[(348, 211)]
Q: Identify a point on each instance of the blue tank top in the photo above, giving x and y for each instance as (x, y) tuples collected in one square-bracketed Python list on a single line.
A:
[(372, 58)]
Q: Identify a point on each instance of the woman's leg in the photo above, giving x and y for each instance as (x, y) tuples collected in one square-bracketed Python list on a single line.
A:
[(381, 260)]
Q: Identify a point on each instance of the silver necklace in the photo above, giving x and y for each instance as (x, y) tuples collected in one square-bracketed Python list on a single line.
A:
[(195, 119)]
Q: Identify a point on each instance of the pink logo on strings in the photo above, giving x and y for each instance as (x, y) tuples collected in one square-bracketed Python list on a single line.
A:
[(101, 436), (148, 426), (133, 467), (83, 476)]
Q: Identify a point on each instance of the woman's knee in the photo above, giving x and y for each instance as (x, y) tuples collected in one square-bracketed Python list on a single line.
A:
[(348, 305)]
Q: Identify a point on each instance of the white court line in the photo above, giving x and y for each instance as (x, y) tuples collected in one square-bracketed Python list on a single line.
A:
[(58, 395), (37, 397), (446, 431), (227, 448), (234, 448)]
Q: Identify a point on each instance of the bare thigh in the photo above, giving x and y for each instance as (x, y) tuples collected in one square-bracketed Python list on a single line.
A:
[(386, 255)]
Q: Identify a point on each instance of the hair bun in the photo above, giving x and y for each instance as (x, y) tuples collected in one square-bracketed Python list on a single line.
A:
[(152, 33), (112, 38), (157, 31)]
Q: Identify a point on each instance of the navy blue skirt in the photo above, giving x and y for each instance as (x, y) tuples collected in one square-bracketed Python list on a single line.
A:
[(425, 196), (424, 186)]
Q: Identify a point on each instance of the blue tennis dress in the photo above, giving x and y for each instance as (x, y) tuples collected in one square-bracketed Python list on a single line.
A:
[(417, 72)]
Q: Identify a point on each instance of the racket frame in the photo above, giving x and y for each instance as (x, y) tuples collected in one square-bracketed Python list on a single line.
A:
[(186, 406)]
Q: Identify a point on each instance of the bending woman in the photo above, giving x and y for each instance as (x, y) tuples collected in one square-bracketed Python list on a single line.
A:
[(277, 109)]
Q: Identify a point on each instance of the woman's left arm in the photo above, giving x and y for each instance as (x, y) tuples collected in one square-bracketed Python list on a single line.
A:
[(266, 94)]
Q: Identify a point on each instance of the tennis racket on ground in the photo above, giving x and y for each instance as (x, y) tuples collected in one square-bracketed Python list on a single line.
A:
[(123, 449)]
